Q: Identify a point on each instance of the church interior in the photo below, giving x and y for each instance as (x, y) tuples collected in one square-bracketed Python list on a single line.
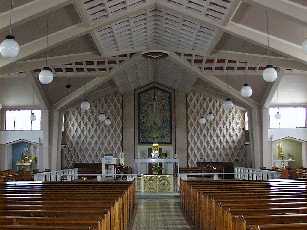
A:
[(153, 114)]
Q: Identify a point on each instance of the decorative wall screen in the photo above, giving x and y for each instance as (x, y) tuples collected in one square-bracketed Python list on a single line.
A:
[(221, 140), (88, 139), (154, 116)]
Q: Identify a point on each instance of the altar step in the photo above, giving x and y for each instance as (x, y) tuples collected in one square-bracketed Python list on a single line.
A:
[(159, 212)]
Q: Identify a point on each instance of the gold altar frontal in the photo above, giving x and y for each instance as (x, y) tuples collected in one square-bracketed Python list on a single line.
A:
[(155, 183)]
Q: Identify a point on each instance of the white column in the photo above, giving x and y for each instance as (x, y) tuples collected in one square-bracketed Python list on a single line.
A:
[(304, 154), (256, 137), (55, 139), (181, 128), (43, 159), (267, 144), (128, 127)]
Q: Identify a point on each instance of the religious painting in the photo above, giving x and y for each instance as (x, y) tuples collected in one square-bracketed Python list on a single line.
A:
[(154, 116)]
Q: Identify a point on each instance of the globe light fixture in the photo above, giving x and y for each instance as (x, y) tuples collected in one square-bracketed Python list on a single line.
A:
[(228, 104), (202, 120), (108, 121), (278, 115), (246, 91), (102, 117), (33, 117), (304, 45), (269, 74), (85, 105), (210, 116), (45, 76), (9, 48)]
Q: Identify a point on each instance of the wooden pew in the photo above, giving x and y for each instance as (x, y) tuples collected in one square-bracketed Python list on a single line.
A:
[(237, 205), (71, 205)]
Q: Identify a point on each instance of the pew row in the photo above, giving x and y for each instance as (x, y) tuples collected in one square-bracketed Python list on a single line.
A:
[(242, 205), (67, 205)]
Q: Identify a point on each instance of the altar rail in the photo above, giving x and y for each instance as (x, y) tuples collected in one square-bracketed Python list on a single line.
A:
[(242, 173), (57, 175)]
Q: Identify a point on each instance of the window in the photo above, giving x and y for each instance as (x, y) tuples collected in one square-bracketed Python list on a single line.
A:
[(21, 120), (291, 117)]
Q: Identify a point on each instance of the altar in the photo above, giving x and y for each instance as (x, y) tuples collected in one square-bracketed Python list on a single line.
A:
[(164, 177)]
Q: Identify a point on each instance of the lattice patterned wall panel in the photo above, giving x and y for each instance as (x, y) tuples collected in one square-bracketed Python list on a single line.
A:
[(221, 140), (87, 138)]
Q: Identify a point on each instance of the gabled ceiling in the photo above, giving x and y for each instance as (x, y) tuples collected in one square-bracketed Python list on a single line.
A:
[(222, 42)]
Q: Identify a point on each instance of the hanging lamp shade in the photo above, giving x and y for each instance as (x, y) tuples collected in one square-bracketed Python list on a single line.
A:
[(278, 115), (85, 105), (9, 48), (45, 76), (108, 121), (102, 117), (304, 45), (202, 120), (210, 116), (269, 73), (33, 117), (246, 90), (228, 104)]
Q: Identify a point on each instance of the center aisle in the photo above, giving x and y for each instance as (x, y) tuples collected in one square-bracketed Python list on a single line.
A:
[(161, 212)]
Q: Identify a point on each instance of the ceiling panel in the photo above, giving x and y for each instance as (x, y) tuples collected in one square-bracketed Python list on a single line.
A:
[(5, 5), (36, 28), (280, 25), (57, 89)]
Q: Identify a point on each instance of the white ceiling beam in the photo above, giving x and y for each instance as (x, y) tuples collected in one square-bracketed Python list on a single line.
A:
[(82, 14), (215, 82), (71, 32), (259, 59), (277, 44), (38, 45), (94, 84), (286, 7), (26, 12), (31, 64)]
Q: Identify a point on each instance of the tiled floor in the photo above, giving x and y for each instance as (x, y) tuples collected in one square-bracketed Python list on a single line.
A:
[(159, 213)]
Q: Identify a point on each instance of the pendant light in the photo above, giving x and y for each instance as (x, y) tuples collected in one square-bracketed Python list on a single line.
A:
[(9, 47), (277, 115), (246, 90), (269, 73), (210, 116), (46, 76), (102, 117), (32, 116), (85, 105), (202, 120), (108, 121), (228, 104)]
